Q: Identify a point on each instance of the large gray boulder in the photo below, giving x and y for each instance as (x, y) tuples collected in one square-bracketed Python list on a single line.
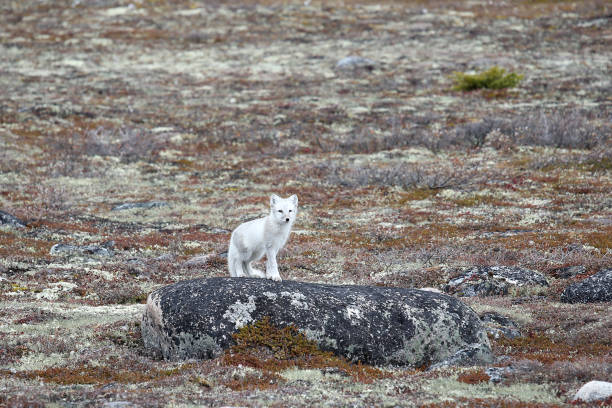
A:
[(376, 325), (596, 288)]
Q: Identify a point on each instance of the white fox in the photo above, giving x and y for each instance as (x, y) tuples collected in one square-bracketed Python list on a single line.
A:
[(266, 235)]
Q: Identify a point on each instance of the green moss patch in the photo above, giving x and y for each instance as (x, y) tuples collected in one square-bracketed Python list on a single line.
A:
[(493, 78)]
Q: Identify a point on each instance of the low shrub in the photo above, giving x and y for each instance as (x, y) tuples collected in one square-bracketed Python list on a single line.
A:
[(405, 176), (493, 78), (564, 128)]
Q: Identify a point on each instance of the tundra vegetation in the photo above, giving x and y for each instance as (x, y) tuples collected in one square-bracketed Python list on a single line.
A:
[(493, 78), (197, 111)]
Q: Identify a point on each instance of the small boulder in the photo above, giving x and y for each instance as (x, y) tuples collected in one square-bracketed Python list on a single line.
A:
[(493, 280), (594, 391), (375, 325), (500, 326), (11, 220), (596, 288), (353, 63), (497, 374)]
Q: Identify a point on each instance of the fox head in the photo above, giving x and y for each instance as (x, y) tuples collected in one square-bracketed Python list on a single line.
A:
[(283, 210)]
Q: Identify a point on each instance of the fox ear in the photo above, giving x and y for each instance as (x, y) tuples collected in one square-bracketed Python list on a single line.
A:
[(294, 199), (274, 199)]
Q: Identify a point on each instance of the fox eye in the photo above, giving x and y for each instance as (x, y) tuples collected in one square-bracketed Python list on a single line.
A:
[(280, 211), (289, 210)]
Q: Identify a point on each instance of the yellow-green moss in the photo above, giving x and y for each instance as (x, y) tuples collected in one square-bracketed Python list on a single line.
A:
[(478, 199), (271, 349)]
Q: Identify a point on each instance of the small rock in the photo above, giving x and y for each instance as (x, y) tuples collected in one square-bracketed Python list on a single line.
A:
[(500, 326), (199, 260), (469, 356), (569, 271), (497, 374), (146, 205), (353, 63), (11, 220), (493, 280), (595, 288), (594, 391), (104, 249), (15, 268), (375, 325)]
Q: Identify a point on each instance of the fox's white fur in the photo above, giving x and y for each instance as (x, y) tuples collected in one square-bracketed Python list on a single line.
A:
[(263, 236)]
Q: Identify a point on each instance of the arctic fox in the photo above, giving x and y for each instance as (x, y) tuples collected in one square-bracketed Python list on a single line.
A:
[(266, 235)]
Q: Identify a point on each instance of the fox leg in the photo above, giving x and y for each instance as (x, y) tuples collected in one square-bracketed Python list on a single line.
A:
[(271, 266), (231, 264), (234, 263), (252, 272)]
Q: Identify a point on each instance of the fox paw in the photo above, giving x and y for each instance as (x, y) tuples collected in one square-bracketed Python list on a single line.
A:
[(256, 273), (275, 277)]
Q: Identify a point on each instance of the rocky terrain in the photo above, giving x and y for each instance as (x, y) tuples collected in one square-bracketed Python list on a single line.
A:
[(134, 136)]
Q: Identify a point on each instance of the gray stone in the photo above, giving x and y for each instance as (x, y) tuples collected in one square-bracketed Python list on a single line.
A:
[(493, 280), (104, 249), (497, 374), (145, 205), (376, 325), (353, 62), (198, 260), (500, 326), (11, 220), (594, 391), (596, 288)]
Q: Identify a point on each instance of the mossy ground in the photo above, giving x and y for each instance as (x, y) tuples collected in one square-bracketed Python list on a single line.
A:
[(212, 107)]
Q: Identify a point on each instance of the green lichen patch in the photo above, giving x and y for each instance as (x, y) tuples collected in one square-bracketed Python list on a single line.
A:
[(450, 389)]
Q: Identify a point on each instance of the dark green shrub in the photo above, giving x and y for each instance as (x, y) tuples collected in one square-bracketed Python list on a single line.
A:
[(493, 78)]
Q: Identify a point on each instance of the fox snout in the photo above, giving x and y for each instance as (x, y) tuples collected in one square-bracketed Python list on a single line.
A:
[(286, 219)]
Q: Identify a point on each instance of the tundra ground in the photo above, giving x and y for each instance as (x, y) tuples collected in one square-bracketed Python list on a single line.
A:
[(206, 108)]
